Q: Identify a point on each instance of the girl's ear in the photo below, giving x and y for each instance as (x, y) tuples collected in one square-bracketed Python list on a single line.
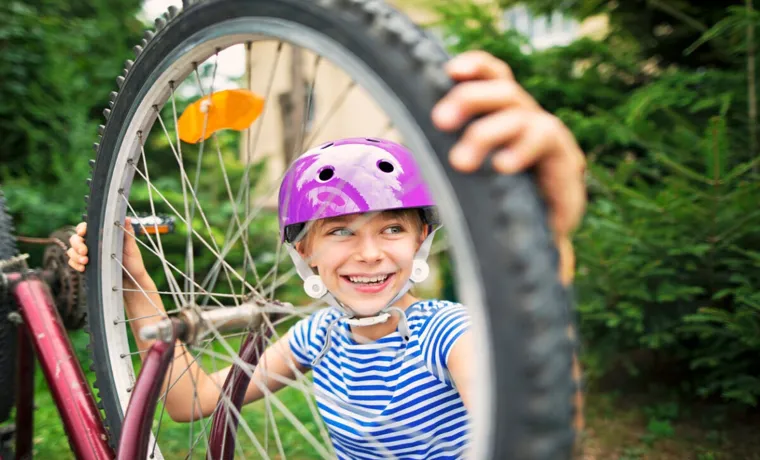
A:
[(423, 234), (301, 248), (304, 252)]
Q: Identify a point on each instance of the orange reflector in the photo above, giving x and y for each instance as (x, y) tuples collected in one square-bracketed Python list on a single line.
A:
[(162, 229), (229, 109)]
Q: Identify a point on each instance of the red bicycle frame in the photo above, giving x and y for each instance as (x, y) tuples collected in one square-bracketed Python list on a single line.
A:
[(43, 335)]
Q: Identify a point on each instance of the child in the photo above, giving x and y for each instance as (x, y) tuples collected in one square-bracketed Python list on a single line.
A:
[(389, 370)]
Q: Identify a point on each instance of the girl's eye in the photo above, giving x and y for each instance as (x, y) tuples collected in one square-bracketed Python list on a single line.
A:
[(341, 232), (393, 230)]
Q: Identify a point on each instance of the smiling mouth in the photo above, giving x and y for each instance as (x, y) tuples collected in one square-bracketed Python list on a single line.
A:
[(374, 280)]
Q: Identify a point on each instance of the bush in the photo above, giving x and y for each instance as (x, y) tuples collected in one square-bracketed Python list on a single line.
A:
[(668, 252)]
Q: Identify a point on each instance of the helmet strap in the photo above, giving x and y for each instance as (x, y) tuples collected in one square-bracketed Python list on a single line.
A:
[(316, 289)]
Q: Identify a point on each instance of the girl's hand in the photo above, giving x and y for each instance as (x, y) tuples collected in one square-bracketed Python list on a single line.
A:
[(77, 251), (522, 135), (131, 259)]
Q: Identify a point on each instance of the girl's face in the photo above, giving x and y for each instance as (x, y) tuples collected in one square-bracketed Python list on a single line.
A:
[(364, 259)]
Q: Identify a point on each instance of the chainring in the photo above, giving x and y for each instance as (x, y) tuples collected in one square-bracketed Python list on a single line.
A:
[(68, 286)]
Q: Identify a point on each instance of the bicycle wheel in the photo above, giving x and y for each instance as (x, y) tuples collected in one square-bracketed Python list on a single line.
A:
[(378, 64), (7, 328)]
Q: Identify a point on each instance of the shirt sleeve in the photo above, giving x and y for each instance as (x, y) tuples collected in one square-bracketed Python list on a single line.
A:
[(301, 338), (438, 337)]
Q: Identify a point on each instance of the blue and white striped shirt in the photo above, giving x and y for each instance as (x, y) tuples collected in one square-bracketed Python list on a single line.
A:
[(388, 398)]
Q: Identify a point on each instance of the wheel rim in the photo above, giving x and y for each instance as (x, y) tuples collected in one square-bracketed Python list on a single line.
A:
[(177, 67)]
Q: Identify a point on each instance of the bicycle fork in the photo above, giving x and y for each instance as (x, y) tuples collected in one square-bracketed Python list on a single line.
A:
[(189, 326)]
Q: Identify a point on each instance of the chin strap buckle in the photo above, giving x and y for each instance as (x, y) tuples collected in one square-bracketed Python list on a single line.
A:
[(370, 320)]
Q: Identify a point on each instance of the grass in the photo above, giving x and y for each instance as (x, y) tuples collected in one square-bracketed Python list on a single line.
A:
[(630, 426), (618, 427), (646, 426)]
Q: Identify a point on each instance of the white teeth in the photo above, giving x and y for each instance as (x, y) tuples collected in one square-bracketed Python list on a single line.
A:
[(368, 279)]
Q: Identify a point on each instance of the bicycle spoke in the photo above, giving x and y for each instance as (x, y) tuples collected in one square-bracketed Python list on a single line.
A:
[(185, 182), (245, 185), (201, 239), (214, 294), (189, 269), (199, 160), (132, 278), (161, 414), (297, 147), (337, 103), (170, 265), (225, 399), (276, 401), (169, 276)]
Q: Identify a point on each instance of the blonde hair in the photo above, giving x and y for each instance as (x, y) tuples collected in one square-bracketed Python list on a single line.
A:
[(408, 216)]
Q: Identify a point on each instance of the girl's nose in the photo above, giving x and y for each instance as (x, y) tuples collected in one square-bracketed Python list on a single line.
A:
[(369, 250)]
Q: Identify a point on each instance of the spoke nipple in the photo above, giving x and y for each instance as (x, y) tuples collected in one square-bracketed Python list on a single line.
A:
[(113, 256), (122, 355), (114, 289), (129, 389)]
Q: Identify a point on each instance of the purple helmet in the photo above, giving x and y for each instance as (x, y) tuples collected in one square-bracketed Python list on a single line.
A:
[(349, 176)]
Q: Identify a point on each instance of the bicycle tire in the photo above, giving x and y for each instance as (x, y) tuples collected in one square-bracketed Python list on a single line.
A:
[(527, 308), (8, 330)]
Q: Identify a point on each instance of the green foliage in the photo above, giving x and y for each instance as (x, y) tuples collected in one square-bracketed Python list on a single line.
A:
[(58, 60), (664, 265), (660, 418), (657, 28), (668, 252)]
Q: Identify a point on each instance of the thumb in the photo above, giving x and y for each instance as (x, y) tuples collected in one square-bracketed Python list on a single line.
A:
[(130, 245)]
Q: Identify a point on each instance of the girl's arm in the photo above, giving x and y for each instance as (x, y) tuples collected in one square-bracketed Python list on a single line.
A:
[(188, 381), (459, 366)]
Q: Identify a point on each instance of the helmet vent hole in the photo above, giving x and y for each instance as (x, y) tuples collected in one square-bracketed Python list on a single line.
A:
[(326, 174), (372, 140), (385, 166), (329, 144)]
